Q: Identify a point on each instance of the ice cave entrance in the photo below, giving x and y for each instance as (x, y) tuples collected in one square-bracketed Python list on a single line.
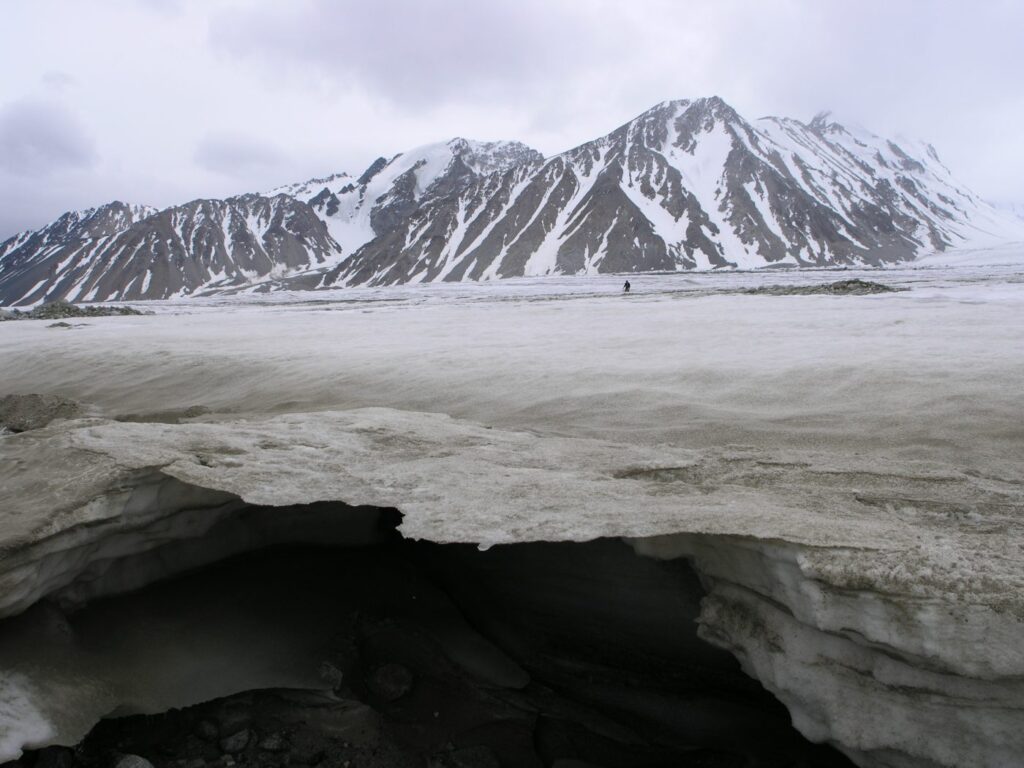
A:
[(318, 634)]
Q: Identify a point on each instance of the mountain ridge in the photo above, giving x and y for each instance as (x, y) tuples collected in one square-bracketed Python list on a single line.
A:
[(685, 185)]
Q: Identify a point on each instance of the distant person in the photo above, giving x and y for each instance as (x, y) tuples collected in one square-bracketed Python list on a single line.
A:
[(625, 288)]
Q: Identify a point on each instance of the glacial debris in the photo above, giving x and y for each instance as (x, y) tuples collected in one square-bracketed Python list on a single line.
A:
[(19, 413), (60, 309), (855, 287)]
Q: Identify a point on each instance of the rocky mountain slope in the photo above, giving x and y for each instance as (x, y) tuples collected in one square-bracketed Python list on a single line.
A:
[(357, 210), (118, 251), (689, 185), (686, 185)]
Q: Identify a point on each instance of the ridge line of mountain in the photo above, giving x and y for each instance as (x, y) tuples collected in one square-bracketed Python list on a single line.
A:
[(687, 184)]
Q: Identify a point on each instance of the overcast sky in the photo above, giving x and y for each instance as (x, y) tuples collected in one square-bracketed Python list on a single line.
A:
[(162, 101)]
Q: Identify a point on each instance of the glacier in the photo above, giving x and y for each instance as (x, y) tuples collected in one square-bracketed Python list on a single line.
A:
[(843, 474)]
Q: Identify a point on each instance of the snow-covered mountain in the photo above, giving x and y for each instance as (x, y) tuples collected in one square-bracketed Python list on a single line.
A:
[(118, 251), (690, 185), (298, 231), (685, 185), (357, 210)]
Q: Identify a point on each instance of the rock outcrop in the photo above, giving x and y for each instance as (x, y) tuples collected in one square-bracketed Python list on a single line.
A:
[(19, 413)]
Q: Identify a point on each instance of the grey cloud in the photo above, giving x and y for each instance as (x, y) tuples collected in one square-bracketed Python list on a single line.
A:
[(27, 204), (941, 70), (41, 138), (165, 7), (336, 83), (58, 80), (236, 155), (417, 53)]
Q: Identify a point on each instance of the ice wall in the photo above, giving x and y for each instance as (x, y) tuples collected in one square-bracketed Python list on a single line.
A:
[(893, 679)]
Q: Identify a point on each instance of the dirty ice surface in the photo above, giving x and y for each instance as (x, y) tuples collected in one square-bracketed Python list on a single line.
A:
[(934, 370), (881, 435), (817, 397)]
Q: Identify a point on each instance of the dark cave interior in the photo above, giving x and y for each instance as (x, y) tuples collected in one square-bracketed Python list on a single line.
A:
[(410, 653)]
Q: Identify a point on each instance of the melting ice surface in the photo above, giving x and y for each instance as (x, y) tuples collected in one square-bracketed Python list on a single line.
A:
[(846, 473)]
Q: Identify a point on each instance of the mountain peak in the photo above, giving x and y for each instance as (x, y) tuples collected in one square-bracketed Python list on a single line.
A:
[(375, 167), (828, 123), (485, 157), (303, 188), (823, 123), (714, 105)]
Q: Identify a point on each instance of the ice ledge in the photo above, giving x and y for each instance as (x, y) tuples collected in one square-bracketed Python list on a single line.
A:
[(881, 602)]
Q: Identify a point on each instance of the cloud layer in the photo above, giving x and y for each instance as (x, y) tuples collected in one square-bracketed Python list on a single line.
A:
[(237, 156), (39, 138), (157, 101)]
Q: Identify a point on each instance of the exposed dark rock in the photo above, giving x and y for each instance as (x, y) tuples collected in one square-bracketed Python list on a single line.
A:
[(375, 167), (20, 413), (839, 288), (207, 729), (390, 681), (273, 742), (59, 308), (331, 675), (234, 717), (236, 742)]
